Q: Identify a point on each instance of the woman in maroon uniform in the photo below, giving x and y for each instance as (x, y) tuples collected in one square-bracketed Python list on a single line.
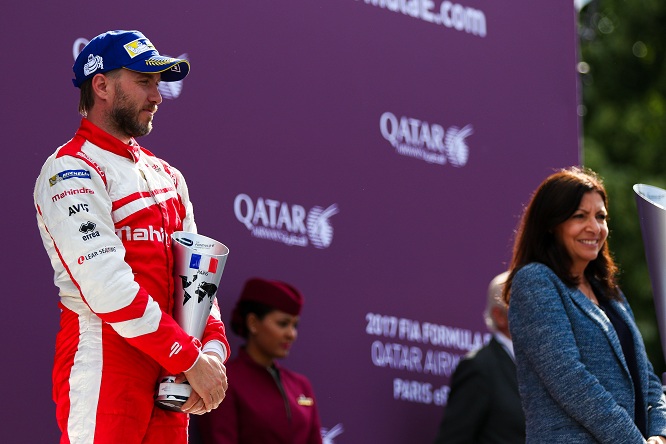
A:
[(265, 403)]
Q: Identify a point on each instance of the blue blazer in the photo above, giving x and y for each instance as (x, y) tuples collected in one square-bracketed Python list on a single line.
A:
[(572, 375)]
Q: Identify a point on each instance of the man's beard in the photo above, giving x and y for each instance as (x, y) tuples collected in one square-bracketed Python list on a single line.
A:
[(125, 116)]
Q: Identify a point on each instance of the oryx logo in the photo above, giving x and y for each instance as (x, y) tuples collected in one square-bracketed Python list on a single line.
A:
[(428, 142), (319, 226), (454, 143), (289, 224), (175, 348), (327, 435)]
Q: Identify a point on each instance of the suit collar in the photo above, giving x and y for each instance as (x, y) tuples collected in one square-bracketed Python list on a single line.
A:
[(506, 364), (506, 343)]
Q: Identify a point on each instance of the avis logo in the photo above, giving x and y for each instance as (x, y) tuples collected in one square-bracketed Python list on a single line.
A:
[(271, 219), (74, 209), (428, 142)]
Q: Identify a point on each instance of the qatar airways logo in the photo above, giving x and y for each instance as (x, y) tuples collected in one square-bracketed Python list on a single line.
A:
[(278, 221), (428, 142), (168, 90)]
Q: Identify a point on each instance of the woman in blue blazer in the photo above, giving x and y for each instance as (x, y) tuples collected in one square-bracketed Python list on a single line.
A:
[(583, 372)]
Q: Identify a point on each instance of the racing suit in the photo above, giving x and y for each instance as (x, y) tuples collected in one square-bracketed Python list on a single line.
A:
[(106, 211)]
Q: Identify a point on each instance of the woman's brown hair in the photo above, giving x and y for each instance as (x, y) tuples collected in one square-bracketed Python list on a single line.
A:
[(554, 201)]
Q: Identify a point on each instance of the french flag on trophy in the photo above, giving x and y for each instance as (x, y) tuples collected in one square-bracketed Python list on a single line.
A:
[(210, 267)]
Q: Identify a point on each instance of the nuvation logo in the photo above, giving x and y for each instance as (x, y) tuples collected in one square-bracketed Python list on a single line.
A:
[(429, 142), (449, 14), (278, 221)]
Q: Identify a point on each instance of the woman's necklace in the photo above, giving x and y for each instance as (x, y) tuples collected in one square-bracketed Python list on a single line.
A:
[(586, 289)]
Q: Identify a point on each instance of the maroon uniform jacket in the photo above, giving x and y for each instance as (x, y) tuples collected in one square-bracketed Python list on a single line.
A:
[(256, 411)]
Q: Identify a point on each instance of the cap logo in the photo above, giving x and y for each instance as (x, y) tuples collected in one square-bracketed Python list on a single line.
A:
[(154, 61), (138, 46), (93, 64)]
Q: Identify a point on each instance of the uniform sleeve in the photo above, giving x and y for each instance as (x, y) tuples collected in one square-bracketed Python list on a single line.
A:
[(215, 331), (220, 426), (541, 329), (315, 430), (74, 217)]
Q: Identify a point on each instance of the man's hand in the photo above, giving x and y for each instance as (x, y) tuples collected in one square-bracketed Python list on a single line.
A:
[(208, 379)]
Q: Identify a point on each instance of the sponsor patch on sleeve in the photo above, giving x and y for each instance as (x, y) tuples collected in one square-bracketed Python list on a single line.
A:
[(69, 174)]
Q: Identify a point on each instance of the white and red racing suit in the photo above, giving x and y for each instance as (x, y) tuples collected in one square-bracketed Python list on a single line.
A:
[(106, 211)]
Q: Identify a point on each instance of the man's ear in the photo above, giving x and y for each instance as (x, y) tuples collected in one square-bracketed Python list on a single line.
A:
[(101, 86), (501, 319)]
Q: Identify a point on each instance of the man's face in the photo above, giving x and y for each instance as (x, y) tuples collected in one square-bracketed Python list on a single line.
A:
[(135, 102)]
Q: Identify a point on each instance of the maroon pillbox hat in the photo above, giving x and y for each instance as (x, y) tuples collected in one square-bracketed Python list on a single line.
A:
[(274, 294)]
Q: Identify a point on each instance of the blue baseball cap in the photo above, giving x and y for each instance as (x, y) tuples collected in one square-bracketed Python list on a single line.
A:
[(125, 49)]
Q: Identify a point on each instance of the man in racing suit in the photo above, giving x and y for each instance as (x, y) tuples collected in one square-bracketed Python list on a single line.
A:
[(106, 209)]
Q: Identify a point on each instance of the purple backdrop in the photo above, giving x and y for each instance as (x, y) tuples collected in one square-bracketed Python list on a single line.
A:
[(374, 153)]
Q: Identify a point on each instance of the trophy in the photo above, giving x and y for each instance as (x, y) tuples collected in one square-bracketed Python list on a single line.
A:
[(198, 265), (651, 203)]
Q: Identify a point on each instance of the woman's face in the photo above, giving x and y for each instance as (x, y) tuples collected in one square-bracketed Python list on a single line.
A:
[(273, 335), (585, 232)]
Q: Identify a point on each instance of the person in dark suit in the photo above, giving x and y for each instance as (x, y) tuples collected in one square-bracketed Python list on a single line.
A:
[(484, 404)]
